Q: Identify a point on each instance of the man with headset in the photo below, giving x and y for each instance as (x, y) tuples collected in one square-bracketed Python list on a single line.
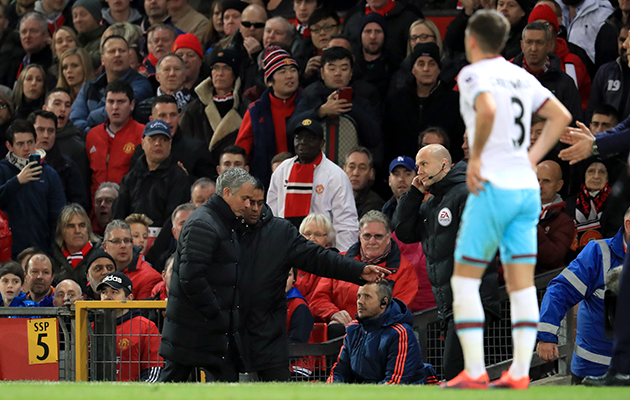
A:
[(380, 346), (430, 212)]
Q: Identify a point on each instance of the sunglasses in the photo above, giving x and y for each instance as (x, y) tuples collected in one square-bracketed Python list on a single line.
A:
[(256, 25)]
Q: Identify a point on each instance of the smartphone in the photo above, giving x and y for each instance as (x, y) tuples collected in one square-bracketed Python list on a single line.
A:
[(345, 93), (35, 157)]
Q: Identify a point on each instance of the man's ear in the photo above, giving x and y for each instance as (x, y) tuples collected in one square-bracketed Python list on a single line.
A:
[(246, 168), (133, 104), (559, 186), (130, 297)]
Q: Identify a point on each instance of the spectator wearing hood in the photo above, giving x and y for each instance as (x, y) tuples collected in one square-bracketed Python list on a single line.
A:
[(374, 63), (58, 13), (120, 11)]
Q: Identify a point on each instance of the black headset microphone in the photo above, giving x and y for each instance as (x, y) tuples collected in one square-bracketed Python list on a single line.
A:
[(438, 173)]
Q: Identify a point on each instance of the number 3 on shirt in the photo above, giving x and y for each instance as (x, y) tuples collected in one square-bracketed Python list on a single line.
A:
[(518, 121)]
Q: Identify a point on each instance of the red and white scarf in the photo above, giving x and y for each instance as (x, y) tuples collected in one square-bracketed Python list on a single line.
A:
[(75, 258), (300, 189), (383, 11)]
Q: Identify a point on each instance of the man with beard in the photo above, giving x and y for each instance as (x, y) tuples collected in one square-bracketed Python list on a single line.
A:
[(373, 62), (262, 279)]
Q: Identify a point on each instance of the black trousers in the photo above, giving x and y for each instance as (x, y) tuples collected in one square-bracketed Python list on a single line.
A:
[(277, 374), (453, 358), (228, 372), (621, 352)]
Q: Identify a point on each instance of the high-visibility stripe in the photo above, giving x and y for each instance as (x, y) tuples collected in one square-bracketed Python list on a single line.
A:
[(605, 256), (548, 328), (575, 281), (592, 357), (599, 293), (332, 370)]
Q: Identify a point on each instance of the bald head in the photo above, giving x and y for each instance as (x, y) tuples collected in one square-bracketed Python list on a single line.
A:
[(550, 180), (433, 162), (66, 293)]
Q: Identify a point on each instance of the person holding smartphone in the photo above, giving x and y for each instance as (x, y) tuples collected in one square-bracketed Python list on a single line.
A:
[(31, 193)]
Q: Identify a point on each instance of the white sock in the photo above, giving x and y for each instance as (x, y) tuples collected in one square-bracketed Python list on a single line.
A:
[(524, 307), (469, 318)]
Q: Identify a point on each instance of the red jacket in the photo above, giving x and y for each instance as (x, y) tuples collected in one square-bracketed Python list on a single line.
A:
[(574, 67), (110, 157), (306, 284), (332, 295), (555, 235), (414, 254), (137, 345), (143, 277)]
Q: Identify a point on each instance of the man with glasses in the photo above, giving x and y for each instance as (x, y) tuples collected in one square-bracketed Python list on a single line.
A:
[(323, 24), (418, 221), (119, 244), (335, 301)]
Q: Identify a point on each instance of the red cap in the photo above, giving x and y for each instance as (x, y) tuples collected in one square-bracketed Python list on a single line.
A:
[(544, 12), (188, 41)]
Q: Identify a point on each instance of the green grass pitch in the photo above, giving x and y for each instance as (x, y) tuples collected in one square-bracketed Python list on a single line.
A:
[(290, 391)]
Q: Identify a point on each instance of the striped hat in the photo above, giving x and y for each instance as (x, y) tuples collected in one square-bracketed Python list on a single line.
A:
[(275, 59)]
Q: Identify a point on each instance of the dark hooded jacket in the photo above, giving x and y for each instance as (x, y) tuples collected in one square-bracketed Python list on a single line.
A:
[(70, 176), (202, 312), (155, 193), (263, 272), (382, 350), (417, 222)]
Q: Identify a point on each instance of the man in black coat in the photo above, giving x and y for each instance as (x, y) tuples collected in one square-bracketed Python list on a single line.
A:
[(45, 123), (263, 272), (435, 223), (155, 185)]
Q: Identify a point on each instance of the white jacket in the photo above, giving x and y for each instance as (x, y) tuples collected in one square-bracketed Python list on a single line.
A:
[(590, 17), (332, 196)]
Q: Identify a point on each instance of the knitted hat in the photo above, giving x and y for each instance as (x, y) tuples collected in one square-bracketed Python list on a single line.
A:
[(544, 12), (188, 41), (227, 56), (99, 253), (237, 5), (275, 59), (92, 6), (426, 50), (374, 17)]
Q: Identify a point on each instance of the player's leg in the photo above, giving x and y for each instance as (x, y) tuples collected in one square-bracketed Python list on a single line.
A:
[(479, 236), (518, 255)]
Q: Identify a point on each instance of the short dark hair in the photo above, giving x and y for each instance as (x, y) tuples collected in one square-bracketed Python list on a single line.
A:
[(27, 253), (446, 141), (57, 90), (164, 99), (607, 110), (119, 86), (341, 36), (285, 155), (32, 117), (12, 267), (114, 37), (491, 30), (362, 150), (203, 183), (321, 14), (335, 54), (234, 149), (537, 26), (384, 289), (20, 126), (163, 26), (259, 185)]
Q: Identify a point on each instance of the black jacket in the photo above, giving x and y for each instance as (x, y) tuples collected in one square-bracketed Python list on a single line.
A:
[(202, 312), (416, 222), (378, 72), (560, 84), (155, 193), (12, 54), (263, 272), (70, 176), (71, 142), (406, 115), (365, 109), (191, 152), (399, 19), (63, 269)]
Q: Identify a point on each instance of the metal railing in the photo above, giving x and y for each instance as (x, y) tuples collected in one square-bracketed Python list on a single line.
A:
[(428, 328)]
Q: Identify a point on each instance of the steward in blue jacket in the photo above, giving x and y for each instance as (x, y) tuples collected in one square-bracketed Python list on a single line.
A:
[(583, 281), (380, 347)]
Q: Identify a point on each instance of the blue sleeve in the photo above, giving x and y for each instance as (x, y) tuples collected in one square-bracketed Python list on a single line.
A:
[(614, 141), (141, 89), (576, 282), (342, 370), (79, 113), (403, 356), (56, 199), (8, 190)]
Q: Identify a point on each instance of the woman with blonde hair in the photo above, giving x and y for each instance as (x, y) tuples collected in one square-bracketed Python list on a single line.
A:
[(423, 31), (30, 90), (75, 68), (64, 38)]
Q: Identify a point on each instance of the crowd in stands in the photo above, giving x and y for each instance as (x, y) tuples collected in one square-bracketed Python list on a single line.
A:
[(119, 116)]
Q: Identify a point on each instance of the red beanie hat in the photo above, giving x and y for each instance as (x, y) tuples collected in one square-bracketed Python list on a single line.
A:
[(544, 12), (188, 41), (275, 59)]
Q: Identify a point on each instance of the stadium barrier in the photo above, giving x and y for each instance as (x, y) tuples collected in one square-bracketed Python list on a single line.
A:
[(82, 343), (428, 328)]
